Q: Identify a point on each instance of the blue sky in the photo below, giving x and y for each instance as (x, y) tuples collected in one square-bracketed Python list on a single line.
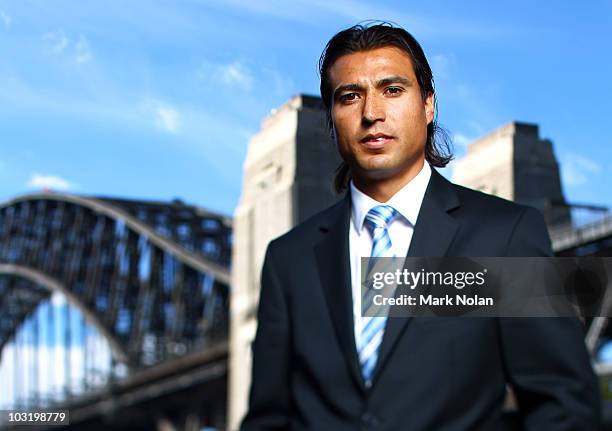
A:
[(157, 99)]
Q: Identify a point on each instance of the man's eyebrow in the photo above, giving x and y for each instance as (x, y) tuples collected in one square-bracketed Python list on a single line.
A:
[(396, 79), (347, 87)]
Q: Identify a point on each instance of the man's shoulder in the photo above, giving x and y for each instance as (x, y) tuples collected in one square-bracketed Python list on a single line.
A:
[(310, 230), (521, 227), (490, 207), (469, 205)]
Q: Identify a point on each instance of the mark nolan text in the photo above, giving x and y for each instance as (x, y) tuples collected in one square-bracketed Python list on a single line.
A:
[(430, 300), (456, 300)]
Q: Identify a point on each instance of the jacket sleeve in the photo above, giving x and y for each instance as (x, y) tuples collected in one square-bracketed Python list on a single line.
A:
[(269, 405), (545, 357)]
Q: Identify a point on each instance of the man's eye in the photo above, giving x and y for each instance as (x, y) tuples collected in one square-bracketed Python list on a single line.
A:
[(348, 97), (393, 90)]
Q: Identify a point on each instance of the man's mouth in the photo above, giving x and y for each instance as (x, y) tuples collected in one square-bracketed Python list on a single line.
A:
[(375, 141)]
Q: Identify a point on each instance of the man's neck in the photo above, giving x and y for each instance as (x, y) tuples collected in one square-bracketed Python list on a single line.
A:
[(381, 190)]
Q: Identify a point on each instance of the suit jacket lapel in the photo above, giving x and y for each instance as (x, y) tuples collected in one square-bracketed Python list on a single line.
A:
[(333, 261), (433, 233)]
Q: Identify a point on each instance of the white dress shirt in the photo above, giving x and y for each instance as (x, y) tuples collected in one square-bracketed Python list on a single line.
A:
[(407, 201)]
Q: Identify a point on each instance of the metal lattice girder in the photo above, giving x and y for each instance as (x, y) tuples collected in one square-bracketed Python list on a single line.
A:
[(152, 277), (18, 297)]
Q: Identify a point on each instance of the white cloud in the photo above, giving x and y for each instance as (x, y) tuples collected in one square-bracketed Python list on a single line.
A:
[(82, 51), (578, 170), (478, 128), (165, 117), (282, 84), (232, 74), (56, 41), (312, 12), (6, 19), (236, 73), (52, 182), (587, 164), (480, 109), (462, 140), (440, 65)]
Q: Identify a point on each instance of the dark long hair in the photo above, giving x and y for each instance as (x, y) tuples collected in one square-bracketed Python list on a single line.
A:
[(364, 37)]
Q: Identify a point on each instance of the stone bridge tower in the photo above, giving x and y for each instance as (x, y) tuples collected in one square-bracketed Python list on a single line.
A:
[(288, 176), (514, 163)]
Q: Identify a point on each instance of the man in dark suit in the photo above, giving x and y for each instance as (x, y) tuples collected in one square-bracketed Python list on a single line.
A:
[(318, 364)]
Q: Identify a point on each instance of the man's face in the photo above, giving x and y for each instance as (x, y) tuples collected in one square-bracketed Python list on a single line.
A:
[(379, 116)]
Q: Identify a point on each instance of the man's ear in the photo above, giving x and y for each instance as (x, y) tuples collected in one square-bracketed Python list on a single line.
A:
[(429, 108)]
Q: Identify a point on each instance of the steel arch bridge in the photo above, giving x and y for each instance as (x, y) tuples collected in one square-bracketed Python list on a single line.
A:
[(151, 277)]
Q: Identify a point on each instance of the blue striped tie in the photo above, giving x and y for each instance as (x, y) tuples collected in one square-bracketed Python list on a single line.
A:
[(377, 220)]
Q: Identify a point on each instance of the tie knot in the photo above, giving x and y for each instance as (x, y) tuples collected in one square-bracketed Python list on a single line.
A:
[(380, 216)]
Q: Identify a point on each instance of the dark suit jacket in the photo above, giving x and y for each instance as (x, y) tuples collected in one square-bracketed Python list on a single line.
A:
[(433, 374)]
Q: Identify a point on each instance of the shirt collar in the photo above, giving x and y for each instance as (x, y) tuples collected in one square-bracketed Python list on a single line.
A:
[(407, 201)]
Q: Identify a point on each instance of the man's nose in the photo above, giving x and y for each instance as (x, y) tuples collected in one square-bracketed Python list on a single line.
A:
[(373, 109)]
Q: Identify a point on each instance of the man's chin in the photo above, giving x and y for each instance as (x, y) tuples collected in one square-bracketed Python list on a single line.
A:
[(380, 172), (377, 164)]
